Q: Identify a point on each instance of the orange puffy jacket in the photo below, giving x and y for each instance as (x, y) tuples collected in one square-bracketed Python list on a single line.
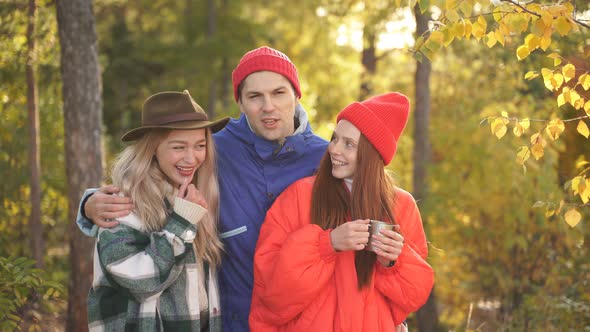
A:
[(302, 284)]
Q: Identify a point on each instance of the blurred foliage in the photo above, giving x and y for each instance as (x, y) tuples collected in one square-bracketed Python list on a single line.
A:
[(19, 281), (521, 269), (21, 288)]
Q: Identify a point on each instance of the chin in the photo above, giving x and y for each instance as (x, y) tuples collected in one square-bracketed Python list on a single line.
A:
[(177, 182), (337, 176), (271, 136)]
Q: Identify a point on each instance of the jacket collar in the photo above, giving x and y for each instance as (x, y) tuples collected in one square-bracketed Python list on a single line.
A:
[(294, 145)]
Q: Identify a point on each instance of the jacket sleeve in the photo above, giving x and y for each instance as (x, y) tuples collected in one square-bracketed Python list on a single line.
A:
[(408, 283), (292, 263), (86, 225), (145, 264)]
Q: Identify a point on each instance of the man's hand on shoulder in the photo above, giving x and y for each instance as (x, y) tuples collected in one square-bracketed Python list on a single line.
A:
[(104, 206)]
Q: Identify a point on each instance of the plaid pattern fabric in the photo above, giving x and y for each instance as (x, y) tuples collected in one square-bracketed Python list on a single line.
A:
[(149, 281)]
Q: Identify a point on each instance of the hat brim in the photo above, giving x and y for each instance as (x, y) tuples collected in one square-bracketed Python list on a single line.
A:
[(215, 126)]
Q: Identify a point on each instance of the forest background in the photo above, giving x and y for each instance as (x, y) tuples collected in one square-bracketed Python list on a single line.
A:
[(507, 220)]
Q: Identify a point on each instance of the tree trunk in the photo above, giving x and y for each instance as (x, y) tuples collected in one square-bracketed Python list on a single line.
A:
[(226, 94), (211, 30), (35, 226), (226, 70), (190, 32), (427, 316), (369, 61), (82, 91)]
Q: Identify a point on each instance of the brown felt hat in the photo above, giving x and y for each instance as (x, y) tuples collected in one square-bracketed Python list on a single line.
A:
[(172, 110)]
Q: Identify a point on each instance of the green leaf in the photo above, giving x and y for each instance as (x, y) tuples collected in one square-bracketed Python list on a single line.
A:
[(424, 4)]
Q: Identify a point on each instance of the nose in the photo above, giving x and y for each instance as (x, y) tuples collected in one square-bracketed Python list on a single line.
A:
[(267, 104), (190, 156), (333, 148)]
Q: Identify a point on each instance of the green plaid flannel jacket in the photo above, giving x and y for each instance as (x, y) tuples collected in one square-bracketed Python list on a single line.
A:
[(149, 281)]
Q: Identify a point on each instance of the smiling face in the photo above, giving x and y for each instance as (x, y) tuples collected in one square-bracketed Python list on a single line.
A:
[(268, 101), (181, 153), (343, 150)]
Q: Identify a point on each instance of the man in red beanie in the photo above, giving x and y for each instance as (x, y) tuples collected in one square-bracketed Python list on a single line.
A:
[(267, 148)]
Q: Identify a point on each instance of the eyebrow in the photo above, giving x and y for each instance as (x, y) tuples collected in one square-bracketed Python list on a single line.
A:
[(185, 142), (344, 137), (273, 90)]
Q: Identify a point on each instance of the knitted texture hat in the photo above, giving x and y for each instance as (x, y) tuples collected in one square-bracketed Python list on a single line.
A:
[(261, 59), (381, 119)]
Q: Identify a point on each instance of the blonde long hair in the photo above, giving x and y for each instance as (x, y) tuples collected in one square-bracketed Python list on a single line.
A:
[(137, 174)]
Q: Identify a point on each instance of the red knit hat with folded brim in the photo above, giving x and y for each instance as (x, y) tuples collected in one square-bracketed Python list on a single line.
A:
[(381, 119), (265, 59)]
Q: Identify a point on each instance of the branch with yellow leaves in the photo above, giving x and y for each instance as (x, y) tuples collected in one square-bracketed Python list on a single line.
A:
[(515, 3), (572, 216), (536, 146), (580, 184)]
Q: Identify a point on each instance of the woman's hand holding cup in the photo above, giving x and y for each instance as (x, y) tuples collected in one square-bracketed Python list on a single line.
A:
[(352, 235), (387, 245)]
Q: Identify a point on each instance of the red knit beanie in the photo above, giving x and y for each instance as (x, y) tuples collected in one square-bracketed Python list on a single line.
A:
[(381, 119), (261, 59)]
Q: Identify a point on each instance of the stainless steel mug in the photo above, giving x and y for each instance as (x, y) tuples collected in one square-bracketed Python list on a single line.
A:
[(375, 228)]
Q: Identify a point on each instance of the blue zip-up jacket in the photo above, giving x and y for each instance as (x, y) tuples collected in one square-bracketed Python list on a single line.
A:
[(252, 172)]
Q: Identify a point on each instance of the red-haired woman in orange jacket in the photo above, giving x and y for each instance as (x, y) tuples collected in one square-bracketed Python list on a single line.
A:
[(312, 271)]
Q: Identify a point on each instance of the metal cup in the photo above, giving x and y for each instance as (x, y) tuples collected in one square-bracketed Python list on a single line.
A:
[(375, 228)]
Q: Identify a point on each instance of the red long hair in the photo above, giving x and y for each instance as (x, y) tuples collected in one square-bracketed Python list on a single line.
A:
[(373, 192)]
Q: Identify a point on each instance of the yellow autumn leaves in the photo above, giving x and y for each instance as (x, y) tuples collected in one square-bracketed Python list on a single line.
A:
[(544, 21), (554, 81), (580, 186), (553, 129), (541, 21), (538, 24), (536, 148), (572, 216)]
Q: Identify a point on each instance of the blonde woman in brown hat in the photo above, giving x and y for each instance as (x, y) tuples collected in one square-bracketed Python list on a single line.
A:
[(312, 269), (155, 271)]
